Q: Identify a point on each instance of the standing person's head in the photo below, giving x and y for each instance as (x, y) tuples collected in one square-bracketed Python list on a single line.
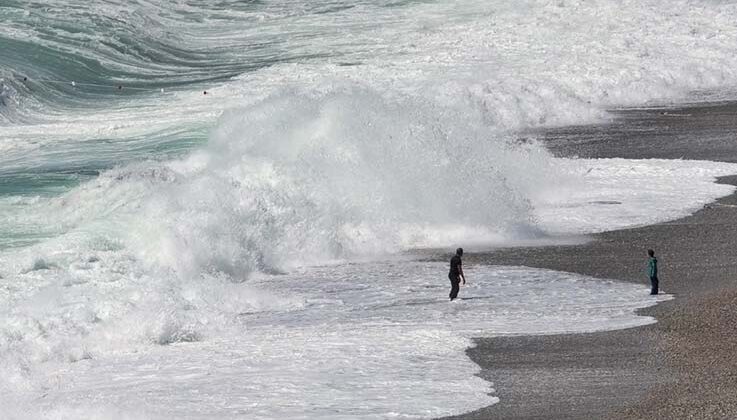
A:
[(650, 253), (459, 252)]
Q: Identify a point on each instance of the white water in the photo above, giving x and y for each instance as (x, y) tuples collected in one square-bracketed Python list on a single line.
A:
[(156, 322), (145, 294), (518, 64), (369, 340)]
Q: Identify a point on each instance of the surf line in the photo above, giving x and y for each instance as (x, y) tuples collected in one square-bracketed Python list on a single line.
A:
[(73, 83)]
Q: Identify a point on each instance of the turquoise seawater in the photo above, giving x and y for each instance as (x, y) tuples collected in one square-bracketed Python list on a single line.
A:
[(88, 87), (210, 209)]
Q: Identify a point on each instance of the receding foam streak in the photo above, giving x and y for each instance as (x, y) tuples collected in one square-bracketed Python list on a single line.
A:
[(659, 190)]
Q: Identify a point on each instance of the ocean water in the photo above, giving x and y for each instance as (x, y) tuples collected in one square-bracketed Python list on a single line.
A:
[(209, 209)]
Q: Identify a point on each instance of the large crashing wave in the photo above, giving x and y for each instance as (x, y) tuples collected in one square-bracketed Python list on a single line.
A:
[(331, 130), (349, 172), (351, 128), (153, 252), (303, 178), (342, 136)]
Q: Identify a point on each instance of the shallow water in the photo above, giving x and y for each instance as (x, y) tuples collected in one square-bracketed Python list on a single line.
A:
[(140, 214), (368, 340)]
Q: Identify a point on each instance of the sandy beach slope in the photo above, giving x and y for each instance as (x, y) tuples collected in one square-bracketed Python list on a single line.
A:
[(684, 366)]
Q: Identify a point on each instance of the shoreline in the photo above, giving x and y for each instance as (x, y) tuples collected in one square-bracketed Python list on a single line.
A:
[(682, 365)]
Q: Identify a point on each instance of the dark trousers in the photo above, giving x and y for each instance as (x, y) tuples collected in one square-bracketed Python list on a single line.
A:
[(455, 285), (654, 285)]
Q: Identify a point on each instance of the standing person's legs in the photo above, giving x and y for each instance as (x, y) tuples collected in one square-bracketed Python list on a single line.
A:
[(654, 284), (454, 287)]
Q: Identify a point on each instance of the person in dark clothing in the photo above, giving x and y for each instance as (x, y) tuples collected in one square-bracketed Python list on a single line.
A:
[(456, 273), (652, 271)]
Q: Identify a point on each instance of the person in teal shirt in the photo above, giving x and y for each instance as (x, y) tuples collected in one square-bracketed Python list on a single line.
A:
[(652, 272)]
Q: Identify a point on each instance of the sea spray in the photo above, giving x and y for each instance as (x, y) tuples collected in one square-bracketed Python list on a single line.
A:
[(173, 243)]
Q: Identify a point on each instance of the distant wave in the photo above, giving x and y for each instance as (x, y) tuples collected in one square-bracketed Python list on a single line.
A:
[(157, 158), (433, 99)]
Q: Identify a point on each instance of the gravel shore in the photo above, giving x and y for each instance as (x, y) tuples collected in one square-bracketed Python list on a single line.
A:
[(685, 365)]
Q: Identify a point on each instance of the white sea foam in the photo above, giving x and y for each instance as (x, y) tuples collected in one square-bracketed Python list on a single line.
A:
[(368, 340), (526, 64), (657, 190), (369, 130), (156, 268), (103, 298)]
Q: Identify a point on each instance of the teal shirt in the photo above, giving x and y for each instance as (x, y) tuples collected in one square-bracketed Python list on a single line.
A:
[(652, 267)]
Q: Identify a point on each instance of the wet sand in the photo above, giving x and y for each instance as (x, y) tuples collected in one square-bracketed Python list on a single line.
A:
[(685, 365)]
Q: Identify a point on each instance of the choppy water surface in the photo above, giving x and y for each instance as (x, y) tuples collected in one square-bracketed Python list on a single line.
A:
[(142, 216)]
